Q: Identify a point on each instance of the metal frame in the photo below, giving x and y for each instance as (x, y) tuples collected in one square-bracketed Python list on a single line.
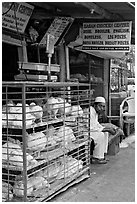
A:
[(38, 160)]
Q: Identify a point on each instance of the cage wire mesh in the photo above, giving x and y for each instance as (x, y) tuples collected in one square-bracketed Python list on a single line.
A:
[(45, 138)]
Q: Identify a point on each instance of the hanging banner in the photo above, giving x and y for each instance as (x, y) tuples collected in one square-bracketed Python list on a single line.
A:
[(15, 15), (107, 36), (56, 29)]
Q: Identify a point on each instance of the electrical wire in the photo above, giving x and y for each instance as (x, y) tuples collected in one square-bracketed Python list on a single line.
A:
[(8, 9)]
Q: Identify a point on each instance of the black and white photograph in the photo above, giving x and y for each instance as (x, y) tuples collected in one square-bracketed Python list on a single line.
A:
[(68, 101)]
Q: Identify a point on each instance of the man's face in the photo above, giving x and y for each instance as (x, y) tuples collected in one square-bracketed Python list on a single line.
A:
[(100, 107)]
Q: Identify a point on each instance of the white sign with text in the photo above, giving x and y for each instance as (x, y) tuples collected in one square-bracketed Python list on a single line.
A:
[(56, 28), (15, 15), (107, 36)]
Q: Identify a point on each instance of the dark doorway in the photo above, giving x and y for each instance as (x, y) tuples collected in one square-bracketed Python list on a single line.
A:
[(9, 62)]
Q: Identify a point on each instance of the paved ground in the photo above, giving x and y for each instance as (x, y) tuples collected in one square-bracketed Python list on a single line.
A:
[(111, 182)]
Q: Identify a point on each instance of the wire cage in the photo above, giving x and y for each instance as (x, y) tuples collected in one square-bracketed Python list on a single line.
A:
[(45, 138)]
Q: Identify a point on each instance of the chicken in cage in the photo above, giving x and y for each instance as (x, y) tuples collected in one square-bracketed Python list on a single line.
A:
[(45, 138)]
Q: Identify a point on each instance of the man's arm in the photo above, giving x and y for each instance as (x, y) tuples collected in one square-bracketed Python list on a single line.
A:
[(111, 130)]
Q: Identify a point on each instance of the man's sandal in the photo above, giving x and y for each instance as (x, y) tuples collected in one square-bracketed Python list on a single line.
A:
[(98, 161)]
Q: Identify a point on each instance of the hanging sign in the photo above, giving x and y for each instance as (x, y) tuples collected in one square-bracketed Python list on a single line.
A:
[(15, 15), (107, 36), (56, 28)]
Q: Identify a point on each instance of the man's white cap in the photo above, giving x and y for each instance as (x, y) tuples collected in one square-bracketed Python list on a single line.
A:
[(100, 99)]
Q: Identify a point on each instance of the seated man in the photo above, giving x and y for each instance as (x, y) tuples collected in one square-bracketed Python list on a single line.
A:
[(98, 132), (104, 121)]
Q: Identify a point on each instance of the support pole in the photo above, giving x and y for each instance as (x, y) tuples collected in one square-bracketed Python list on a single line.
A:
[(49, 67), (62, 63)]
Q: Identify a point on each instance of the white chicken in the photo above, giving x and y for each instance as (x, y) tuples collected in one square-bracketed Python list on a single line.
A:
[(7, 119), (64, 107), (36, 141), (76, 111), (52, 107), (36, 110), (6, 191), (51, 171), (70, 167), (15, 116), (66, 135), (7, 106), (13, 154), (50, 134), (30, 118), (33, 183)]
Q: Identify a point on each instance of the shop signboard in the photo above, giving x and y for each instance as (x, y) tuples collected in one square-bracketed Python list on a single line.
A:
[(107, 36), (15, 15), (56, 29)]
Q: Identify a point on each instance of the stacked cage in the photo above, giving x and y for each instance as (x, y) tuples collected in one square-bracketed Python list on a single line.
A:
[(45, 138)]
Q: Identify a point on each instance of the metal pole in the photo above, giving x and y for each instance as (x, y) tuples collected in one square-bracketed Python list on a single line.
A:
[(24, 141), (49, 66), (38, 53)]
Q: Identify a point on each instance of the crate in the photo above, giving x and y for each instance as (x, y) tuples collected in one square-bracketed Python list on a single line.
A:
[(113, 145), (129, 128)]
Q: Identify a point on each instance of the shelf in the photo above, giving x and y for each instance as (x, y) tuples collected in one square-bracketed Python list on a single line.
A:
[(33, 128), (51, 155), (45, 156), (92, 82), (38, 84), (17, 168), (87, 65)]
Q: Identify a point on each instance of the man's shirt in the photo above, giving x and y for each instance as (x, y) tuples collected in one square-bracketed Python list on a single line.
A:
[(95, 126)]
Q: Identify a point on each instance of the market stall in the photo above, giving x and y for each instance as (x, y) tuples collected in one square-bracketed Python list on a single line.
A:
[(45, 94), (45, 135)]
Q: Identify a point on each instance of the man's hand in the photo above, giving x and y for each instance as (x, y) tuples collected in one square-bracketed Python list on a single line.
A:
[(111, 130)]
